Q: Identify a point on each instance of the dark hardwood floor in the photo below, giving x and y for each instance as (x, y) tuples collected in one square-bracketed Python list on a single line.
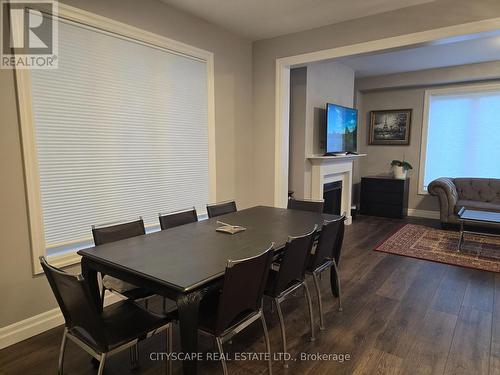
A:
[(401, 316)]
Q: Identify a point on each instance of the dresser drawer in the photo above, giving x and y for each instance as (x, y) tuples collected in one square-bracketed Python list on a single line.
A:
[(385, 210), (383, 197), (382, 185)]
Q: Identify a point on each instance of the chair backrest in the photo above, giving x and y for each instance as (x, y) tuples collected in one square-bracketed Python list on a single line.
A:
[(244, 283), (294, 261), (329, 243), (117, 231), (222, 208), (305, 205), (176, 218), (75, 301)]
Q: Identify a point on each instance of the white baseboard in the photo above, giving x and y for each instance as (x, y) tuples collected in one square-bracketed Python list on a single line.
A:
[(37, 324), (424, 213)]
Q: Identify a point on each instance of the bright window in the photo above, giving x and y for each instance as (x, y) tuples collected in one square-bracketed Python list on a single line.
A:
[(119, 130), (462, 134)]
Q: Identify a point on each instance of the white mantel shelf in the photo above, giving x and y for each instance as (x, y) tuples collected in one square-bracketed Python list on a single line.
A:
[(327, 169), (322, 158)]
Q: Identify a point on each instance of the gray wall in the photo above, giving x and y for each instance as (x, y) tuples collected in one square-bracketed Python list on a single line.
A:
[(390, 92), (23, 295), (330, 82), (379, 157), (436, 14), (311, 88)]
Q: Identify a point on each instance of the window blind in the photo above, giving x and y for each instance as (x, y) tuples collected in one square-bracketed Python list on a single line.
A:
[(463, 135), (121, 131)]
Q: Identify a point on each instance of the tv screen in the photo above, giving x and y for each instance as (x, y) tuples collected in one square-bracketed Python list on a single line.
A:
[(341, 128)]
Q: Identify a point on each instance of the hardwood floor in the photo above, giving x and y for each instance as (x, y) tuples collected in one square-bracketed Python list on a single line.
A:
[(401, 316)]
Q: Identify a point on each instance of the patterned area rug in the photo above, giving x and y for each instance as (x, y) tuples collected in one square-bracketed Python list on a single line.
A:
[(417, 241)]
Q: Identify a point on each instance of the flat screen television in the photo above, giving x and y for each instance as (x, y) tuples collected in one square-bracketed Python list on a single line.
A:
[(341, 129)]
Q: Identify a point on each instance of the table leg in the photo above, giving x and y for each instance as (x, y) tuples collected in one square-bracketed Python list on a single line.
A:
[(90, 275), (333, 281), (188, 308)]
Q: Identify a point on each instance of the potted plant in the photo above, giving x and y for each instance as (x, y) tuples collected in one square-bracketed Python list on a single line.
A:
[(400, 168)]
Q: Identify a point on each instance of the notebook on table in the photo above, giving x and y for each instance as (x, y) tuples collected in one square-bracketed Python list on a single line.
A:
[(228, 228)]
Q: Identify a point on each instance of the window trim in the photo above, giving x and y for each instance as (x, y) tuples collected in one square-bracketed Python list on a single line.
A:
[(26, 119), (425, 121)]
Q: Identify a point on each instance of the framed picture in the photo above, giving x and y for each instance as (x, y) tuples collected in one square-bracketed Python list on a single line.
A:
[(390, 127)]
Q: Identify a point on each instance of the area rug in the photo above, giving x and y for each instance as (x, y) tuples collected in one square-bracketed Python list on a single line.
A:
[(417, 241)]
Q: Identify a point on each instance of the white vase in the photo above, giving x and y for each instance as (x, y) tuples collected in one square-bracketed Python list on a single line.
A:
[(399, 172)]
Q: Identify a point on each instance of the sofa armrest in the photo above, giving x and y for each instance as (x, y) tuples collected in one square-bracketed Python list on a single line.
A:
[(445, 190)]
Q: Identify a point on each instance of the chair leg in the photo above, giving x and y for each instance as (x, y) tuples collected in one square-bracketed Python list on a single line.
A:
[(169, 363), (337, 275), (61, 353), (268, 345), (320, 303), (282, 327), (103, 292), (221, 352), (102, 362), (309, 303), (134, 356)]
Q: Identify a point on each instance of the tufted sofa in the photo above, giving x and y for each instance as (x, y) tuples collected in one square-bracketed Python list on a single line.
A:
[(474, 193)]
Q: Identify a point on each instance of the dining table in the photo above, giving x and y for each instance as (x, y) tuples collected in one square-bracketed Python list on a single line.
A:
[(185, 263)]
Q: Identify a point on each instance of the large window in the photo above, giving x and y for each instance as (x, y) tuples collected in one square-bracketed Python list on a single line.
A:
[(119, 130), (461, 135)]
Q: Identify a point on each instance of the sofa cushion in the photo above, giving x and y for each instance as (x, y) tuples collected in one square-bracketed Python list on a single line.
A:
[(477, 205), (478, 189)]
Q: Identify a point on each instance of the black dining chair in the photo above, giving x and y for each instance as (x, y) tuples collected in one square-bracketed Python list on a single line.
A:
[(327, 255), (305, 205), (221, 208), (289, 277), (112, 232), (176, 218), (101, 333), (238, 304)]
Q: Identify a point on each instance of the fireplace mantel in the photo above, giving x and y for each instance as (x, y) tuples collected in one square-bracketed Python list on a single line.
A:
[(327, 169)]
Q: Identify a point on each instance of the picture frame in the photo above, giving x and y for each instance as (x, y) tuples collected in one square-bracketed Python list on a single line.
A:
[(390, 127)]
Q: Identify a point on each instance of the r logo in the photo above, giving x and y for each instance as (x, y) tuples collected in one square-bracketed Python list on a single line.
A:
[(29, 32)]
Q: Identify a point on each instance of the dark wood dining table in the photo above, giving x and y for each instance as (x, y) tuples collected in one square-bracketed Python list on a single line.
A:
[(185, 262)]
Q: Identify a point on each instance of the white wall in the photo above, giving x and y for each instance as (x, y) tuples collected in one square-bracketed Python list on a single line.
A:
[(329, 82)]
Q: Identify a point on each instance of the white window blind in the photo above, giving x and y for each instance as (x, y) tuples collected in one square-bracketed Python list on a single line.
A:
[(121, 131), (463, 134)]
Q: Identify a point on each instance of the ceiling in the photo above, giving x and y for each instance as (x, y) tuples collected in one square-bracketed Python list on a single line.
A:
[(261, 19), (469, 50)]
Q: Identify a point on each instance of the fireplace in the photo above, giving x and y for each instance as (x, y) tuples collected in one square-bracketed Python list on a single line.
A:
[(329, 169), (332, 195)]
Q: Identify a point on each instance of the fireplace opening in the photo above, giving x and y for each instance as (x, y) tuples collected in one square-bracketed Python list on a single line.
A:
[(332, 195)]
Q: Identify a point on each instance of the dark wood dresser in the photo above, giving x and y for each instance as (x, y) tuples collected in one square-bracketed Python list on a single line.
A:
[(384, 196)]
